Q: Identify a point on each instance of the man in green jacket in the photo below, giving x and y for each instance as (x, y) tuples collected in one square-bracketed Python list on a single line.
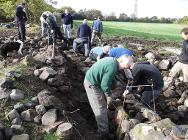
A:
[(97, 84)]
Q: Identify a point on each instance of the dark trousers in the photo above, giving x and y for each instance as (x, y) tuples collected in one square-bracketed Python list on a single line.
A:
[(21, 30)]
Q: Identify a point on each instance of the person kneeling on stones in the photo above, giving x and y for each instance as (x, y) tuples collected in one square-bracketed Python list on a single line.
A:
[(97, 83), (145, 73), (97, 53), (182, 64), (82, 43)]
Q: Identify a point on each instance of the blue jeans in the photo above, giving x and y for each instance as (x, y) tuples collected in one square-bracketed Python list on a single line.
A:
[(147, 96)]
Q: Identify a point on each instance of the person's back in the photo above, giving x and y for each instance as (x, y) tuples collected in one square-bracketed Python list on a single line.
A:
[(84, 31), (96, 50), (51, 22), (143, 72), (119, 51), (97, 25), (102, 72)]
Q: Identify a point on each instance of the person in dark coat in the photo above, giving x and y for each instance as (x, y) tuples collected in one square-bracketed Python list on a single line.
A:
[(21, 18)]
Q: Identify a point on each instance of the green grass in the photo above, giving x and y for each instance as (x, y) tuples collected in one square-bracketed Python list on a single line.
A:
[(151, 31), (51, 136)]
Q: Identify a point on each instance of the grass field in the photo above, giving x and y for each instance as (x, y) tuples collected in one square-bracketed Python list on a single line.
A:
[(152, 31)]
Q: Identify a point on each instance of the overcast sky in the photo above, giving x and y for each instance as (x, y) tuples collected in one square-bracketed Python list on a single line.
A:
[(160, 8)]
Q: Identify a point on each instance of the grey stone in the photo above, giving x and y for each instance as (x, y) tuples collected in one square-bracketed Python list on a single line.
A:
[(186, 102), (35, 100), (37, 72), (28, 115), (13, 114), (7, 83), (37, 119), (55, 82), (13, 74), (20, 137), (150, 56), (47, 73), (49, 117), (51, 128), (15, 60), (45, 99), (20, 107), (17, 127), (16, 121), (30, 105), (164, 65), (40, 109), (4, 94), (17, 95)]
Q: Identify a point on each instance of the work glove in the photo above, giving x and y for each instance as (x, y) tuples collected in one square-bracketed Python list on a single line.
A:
[(109, 101), (126, 92)]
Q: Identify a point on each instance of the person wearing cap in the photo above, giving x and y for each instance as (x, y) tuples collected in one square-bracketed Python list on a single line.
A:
[(97, 83), (119, 51), (67, 23), (182, 64), (97, 29), (97, 53), (145, 73), (21, 18), (83, 41)]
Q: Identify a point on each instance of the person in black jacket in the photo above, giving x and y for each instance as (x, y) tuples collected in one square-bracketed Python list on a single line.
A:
[(21, 19), (67, 23), (182, 64), (84, 36), (145, 73)]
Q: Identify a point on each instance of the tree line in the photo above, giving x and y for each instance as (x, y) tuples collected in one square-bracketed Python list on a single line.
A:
[(36, 7)]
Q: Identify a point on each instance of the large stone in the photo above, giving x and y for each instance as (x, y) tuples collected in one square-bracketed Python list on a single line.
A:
[(35, 100), (45, 99), (186, 102), (37, 119), (49, 117), (152, 131), (55, 82), (28, 115), (17, 95), (20, 137), (13, 114), (16, 121), (17, 127), (37, 72), (150, 56), (40, 109), (20, 107), (164, 65), (47, 73), (7, 83), (65, 130), (51, 128), (4, 94)]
